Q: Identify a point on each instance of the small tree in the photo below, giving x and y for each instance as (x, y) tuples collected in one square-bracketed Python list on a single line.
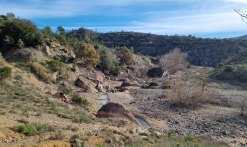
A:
[(5, 73), (88, 55), (174, 61), (125, 55)]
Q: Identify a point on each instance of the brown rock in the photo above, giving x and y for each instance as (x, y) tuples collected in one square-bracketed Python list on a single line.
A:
[(124, 84), (113, 78), (124, 80), (115, 110), (106, 72), (85, 84), (96, 78), (62, 96)]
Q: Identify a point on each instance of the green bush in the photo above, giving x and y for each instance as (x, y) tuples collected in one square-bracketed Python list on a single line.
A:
[(30, 129), (230, 68), (55, 65), (220, 64), (73, 138), (79, 100), (153, 84), (86, 118), (65, 90), (23, 66), (5, 72)]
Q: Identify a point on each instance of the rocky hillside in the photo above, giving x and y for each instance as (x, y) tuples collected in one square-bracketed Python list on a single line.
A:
[(202, 52)]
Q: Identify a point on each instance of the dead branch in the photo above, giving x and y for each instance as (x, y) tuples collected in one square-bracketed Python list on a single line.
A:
[(242, 14)]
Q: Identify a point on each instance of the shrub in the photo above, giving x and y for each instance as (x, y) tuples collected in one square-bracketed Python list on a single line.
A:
[(166, 85), (5, 72), (2, 61), (174, 61), (79, 100), (221, 64), (65, 90), (189, 94), (125, 56), (23, 66), (30, 129), (43, 73), (109, 62), (230, 68), (153, 84), (88, 55), (82, 118), (54, 65), (73, 138), (171, 133), (86, 118)]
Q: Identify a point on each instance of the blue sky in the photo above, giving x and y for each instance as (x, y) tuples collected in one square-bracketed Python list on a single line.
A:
[(201, 18)]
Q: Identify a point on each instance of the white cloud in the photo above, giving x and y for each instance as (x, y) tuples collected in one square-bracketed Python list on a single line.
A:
[(194, 16)]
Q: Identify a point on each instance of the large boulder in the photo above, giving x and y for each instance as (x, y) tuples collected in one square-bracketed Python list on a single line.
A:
[(116, 110), (85, 84)]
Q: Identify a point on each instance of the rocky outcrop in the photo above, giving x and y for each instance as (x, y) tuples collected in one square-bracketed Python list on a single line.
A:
[(53, 49), (95, 77), (85, 84), (99, 87), (115, 110), (25, 55)]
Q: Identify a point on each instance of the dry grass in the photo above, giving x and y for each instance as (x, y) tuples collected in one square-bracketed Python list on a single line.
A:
[(43, 73), (190, 94)]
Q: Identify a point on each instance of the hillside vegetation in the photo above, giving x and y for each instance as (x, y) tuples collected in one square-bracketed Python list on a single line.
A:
[(82, 88), (202, 52)]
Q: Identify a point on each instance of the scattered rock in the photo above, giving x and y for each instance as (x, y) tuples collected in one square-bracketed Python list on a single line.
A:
[(99, 87), (125, 84)]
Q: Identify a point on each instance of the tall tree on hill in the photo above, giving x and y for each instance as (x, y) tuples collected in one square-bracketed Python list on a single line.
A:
[(14, 30)]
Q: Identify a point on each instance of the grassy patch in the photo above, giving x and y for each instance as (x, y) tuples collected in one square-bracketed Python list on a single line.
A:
[(30, 129), (81, 101)]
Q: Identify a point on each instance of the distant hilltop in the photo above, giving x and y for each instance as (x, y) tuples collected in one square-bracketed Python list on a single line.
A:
[(201, 51)]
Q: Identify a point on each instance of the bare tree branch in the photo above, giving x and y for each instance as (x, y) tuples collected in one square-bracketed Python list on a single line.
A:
[(242, 14)]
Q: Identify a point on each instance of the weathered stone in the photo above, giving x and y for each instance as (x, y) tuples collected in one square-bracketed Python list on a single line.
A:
[(83, 83), (124, 84), (106, 72), (115, 110), (99, 87), (113, 78)]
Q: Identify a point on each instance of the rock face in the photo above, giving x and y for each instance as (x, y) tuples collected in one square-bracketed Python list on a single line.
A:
[(84, 84), (115, 110), (25, 55), (55, 49), (99, 87)]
